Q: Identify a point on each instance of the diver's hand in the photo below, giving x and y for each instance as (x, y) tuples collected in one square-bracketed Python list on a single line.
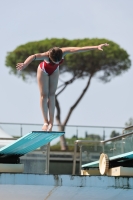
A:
[(101, 46), (20, 66)]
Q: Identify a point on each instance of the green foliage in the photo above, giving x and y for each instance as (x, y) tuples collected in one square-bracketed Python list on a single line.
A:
[(94, 137), (129, 123), (57, 148), (111, 62), (114, 134), (70, 141)]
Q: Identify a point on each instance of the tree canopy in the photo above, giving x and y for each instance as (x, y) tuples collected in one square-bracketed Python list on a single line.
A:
[(111, 62), (114, 134)]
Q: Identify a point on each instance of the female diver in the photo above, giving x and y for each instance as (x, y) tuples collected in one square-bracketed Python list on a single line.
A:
[(47, 77)]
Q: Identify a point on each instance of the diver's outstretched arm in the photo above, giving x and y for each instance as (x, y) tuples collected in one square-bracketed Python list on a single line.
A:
[(68, 50)]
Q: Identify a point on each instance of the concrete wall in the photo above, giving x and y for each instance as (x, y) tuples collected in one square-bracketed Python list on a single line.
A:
[(34, 163), (62, 167), (64, 187)]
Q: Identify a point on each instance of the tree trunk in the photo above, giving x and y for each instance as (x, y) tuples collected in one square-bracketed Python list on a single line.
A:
[(61, 126), (78, 100), (63, 144)]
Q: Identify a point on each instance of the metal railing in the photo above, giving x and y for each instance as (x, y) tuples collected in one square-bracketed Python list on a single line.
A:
[(80, 143), (20, 129), (126, 132)]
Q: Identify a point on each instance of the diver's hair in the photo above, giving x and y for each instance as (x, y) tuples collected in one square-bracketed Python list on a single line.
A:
[(55, 54)]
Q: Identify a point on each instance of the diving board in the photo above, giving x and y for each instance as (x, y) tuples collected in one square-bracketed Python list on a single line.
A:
[(121, 164), (26, 144), (119, 158), (94, 164)]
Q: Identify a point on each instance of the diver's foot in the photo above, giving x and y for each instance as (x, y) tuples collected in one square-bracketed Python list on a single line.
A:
[(50, 126), (45, 127)]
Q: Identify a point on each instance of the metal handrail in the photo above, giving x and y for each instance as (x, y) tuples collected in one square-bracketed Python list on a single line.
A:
[(104, 141), (80, 142), (12, 123), (8, 138), (129, 127), (117, 137), (87, 141)]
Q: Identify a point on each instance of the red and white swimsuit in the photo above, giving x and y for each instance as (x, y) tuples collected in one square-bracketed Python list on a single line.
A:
[(49, 68)]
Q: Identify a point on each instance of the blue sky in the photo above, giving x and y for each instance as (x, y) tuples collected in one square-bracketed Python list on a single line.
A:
[(23, 21)]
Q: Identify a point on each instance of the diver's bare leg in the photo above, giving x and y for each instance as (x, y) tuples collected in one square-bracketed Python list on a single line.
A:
[(53, 81), (43, 83)]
